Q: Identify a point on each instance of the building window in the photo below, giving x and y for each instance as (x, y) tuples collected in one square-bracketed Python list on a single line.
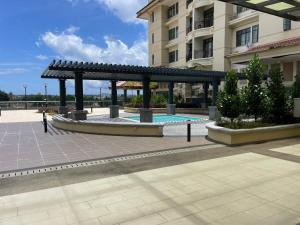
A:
[(173, 10), (243, 37), (173, 33), (153, 59), (173, 56), (286, 24), (152, 17), (208, 48), (208, 16), (255, 32), (152, 39), (240, 9)]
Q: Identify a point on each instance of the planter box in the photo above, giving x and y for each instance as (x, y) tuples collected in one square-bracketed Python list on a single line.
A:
[(200, 111), (246, 136)]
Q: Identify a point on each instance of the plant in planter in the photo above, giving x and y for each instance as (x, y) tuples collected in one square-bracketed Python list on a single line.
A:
[(136, 102), (228, 102), (158, 101), (255, 94), (276, 92), (296, 96)]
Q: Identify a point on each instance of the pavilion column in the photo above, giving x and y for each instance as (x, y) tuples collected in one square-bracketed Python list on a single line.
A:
[(205, 88), (146, 114), (171, 107), (114, 108), (212, 110), (215, 85), (125, 96), (137, 92), (79, 113), (62, 96)]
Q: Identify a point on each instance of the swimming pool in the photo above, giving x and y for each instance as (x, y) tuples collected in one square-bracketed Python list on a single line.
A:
[(165, 118)]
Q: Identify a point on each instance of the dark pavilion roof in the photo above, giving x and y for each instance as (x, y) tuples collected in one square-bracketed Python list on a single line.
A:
[(289, 9), (98, 71)]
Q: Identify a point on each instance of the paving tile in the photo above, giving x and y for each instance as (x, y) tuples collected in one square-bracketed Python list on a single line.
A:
[(121, 216), (153, 219)]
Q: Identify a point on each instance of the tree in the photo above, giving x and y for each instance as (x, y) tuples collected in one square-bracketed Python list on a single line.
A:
[(255, 94), (277, 96), (296, 87), (4, 96), (228, 101)]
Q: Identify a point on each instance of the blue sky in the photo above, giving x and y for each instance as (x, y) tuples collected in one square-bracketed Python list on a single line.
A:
[(34, 32)]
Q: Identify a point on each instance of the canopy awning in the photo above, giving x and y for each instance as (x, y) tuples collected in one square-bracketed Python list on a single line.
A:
[(289, 9), (98, 71)]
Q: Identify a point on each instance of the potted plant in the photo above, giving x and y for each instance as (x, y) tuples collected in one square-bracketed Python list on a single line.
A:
[(296, 96)]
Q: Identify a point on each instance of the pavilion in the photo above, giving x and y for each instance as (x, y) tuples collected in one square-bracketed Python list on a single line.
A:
[(79, 71), (289, 9), (131, 85)]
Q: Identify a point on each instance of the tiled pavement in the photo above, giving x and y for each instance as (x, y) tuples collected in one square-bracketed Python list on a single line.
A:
[(242, 188), (25, 145)]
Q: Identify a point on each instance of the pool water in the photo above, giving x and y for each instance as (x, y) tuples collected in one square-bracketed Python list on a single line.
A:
[(165, 118)]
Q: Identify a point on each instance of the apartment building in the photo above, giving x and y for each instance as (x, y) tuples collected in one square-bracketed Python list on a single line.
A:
[(213, 35)]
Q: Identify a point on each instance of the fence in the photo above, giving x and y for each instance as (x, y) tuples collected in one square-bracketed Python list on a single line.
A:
[(21, 105)]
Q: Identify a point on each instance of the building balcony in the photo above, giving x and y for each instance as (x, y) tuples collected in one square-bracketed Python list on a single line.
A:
[(239, 19), (188, 2), (189, 29), (203, 24), (189, 56), (200, 57), (202, 3), (203, 28)]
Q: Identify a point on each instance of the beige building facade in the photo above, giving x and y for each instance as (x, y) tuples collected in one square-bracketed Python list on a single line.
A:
[(214, 35)]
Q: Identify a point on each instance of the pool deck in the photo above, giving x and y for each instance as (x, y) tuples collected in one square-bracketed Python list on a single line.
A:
[(250, 185), (171, 182), (25, 145)]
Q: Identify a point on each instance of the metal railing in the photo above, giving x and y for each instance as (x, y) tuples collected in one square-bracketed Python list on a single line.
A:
[(203, 24), (199, 54), (189, 29), (21, 105), (189, 57)]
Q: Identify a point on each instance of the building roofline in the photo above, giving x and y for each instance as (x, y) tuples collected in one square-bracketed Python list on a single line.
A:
[(269, 46), (145, 8)]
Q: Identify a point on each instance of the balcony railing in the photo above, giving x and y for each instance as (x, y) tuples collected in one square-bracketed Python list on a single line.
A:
[(199, 54), (189, 29), (204, 24), (189, 56)]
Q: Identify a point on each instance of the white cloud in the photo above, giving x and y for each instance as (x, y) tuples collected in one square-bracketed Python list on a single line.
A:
[(70, 46), (72, 29), (12, 71), (42, 57), (73, 47), (125, 9)]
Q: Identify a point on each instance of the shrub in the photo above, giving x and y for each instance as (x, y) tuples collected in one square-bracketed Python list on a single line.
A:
[(4, 96), (136, 102), (254, 93), (228, 101), (296, 87), (276, 92), (158, 101)]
